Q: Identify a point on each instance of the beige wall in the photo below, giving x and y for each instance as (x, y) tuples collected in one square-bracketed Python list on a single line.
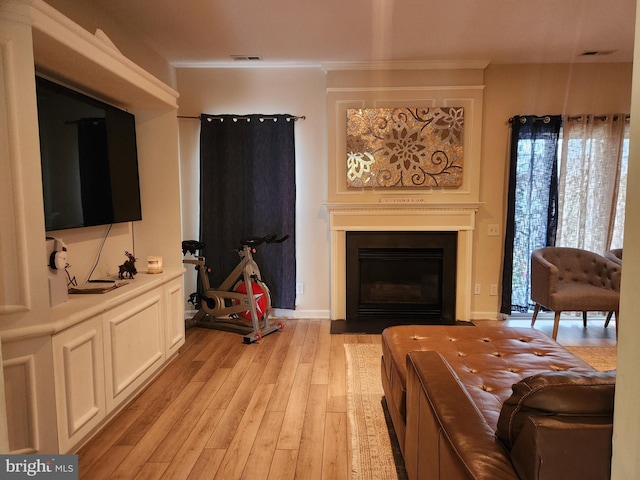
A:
[(509, 90), (421, 209), (530, 90), (626, 424), (296, 91), (542, 89), (91, 17)]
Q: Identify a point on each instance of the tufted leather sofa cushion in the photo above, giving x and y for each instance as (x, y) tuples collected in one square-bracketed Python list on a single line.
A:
[(575, 394), (488, 361)]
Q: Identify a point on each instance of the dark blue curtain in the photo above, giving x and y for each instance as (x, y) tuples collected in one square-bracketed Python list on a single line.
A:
[(248, 189), (532, 208)]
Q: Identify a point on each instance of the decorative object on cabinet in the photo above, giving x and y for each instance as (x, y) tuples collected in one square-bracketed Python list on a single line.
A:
[(154, 264), (405, 147), (128, 268)]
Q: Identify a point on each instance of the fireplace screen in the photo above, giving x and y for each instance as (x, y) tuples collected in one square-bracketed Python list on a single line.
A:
[(401, 275)]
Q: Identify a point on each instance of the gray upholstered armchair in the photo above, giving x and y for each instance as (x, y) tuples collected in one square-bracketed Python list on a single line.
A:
[(569, 279), (614, 255)]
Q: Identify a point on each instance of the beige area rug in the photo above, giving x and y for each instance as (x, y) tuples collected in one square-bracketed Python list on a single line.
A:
[(600, 358), (375, 453)]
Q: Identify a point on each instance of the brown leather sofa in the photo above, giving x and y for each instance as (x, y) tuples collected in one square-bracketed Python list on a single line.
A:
[(495, 403)]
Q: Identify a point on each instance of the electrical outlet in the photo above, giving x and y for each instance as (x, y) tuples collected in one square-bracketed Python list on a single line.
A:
[(299, 288), (477, 289), (494, 289), (493, 230)]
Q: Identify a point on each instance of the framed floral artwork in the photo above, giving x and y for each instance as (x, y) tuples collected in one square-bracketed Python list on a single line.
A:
[(405, 147)]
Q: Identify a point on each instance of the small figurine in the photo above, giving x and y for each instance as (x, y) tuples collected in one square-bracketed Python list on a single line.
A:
[(128, 268)]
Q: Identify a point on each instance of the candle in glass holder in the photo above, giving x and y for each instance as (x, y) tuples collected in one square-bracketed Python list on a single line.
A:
[(154, 264)]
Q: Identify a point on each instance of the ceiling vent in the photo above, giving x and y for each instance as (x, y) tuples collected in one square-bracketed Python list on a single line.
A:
[(593, 53), (244, 58)]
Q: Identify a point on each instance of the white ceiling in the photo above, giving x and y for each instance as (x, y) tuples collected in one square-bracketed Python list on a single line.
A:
[(302, 32)]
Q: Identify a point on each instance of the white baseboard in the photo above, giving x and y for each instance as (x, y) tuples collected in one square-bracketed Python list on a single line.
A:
[(283, 313), (488, 316)]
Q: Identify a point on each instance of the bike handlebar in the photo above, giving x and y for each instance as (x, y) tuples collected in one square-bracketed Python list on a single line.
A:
[(255, 241)]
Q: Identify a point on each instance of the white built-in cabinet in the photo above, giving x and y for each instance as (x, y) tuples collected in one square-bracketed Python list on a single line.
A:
[(102, 361), (70, 368)]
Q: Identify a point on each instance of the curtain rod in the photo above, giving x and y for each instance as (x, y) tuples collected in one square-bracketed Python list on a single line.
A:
[(240, 117), (616, 117), (545, 119), (577, 117)]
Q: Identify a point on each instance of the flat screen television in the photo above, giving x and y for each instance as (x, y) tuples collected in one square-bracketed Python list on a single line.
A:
[(89, 159)]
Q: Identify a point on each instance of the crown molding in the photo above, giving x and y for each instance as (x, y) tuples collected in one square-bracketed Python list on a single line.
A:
[(409, 65), (344, 66)]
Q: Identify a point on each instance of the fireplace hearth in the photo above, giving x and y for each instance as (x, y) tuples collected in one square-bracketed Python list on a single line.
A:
[(401, 277)]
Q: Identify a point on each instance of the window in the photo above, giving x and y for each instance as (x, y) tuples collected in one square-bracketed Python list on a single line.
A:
[(567, 187)]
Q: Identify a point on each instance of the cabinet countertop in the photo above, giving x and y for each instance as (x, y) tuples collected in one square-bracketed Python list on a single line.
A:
[(80, 307)]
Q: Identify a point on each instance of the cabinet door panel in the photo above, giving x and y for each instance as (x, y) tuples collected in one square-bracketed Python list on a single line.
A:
[(79, 370), (134, 340), (174, 320)]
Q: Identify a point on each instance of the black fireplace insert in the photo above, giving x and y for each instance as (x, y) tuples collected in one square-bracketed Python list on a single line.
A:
[(403, 277)]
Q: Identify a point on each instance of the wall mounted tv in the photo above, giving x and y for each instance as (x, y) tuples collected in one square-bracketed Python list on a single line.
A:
[(89, 159)]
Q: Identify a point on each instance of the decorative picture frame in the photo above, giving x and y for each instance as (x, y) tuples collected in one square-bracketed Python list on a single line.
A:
[(405, 147)]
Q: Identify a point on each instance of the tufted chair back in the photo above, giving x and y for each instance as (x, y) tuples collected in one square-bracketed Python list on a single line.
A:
[(582, 266), (615, 255), (571, 279)]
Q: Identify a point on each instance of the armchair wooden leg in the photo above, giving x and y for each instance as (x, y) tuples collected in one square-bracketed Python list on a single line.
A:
[(535, 314), (617, 324), (584, 319), (556, 322), (606, 322)]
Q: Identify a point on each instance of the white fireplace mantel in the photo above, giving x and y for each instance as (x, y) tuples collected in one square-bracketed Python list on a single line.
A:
[(402, 215)]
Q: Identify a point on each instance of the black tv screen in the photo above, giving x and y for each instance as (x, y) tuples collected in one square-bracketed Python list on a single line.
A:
[(89, 159)]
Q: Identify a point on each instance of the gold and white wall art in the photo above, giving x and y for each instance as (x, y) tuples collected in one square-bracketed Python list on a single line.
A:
[(405, 147)]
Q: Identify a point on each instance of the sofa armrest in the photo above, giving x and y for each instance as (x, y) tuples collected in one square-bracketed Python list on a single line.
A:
[(549, 448), (564, 393), (447, 438)]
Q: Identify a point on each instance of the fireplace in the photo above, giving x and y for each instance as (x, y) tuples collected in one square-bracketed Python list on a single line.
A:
[(401, 277), (407, 217)]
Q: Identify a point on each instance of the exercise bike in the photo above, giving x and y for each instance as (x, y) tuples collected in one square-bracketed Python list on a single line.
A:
[(241, 298)]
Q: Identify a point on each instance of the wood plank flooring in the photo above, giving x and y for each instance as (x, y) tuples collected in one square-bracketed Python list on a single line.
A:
[(270, 410)]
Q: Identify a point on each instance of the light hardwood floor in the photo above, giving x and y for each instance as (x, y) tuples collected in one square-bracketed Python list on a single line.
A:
[(270, 410)]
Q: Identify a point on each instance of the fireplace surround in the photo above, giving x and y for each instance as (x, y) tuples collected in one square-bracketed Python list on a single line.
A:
[(402, 217)]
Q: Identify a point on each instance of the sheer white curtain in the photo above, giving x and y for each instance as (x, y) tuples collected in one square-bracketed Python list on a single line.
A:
[(593, 182)]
